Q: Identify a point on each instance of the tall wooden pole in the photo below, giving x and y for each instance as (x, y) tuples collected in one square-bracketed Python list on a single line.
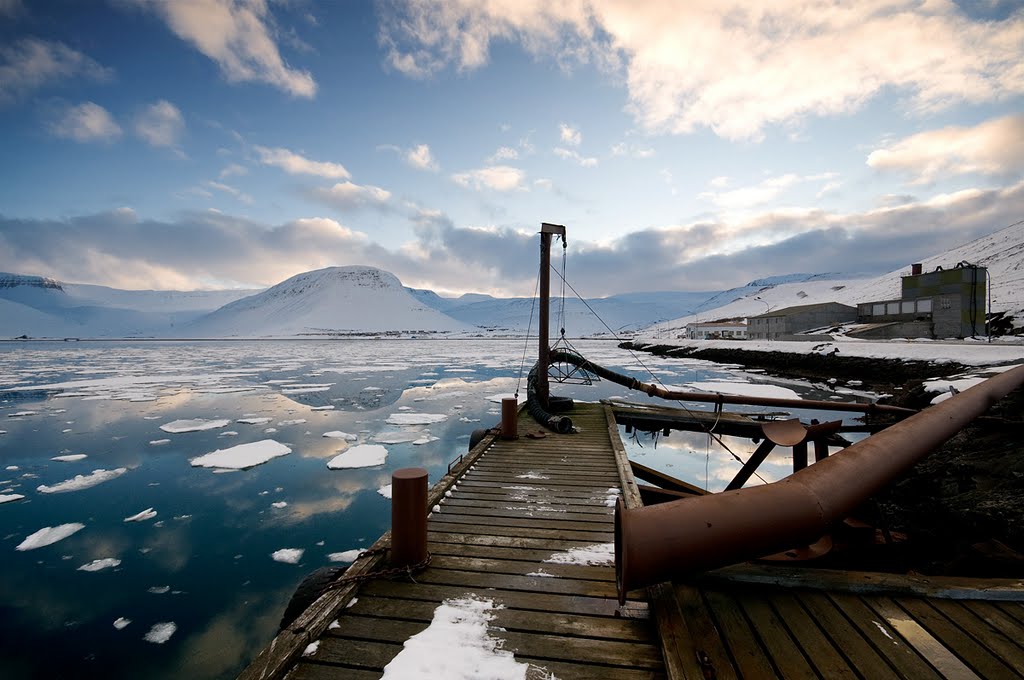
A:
[(546, 231)]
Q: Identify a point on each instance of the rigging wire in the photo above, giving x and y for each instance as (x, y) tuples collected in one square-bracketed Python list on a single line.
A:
[(529, 327), (710, 432)]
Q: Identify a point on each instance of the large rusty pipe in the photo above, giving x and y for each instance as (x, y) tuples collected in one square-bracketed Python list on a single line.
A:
[(669, 540), (408, 516), (717, 398)]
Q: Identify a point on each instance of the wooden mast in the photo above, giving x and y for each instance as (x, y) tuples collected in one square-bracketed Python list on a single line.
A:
[(546, 231)]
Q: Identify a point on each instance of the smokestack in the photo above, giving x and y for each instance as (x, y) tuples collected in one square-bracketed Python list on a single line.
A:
[(915, 269)]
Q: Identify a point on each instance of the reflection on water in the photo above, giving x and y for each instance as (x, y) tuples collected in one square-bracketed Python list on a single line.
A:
[(203, 560)]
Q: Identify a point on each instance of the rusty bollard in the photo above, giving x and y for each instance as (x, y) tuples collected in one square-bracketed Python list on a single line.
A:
[(408, 517), (509, 418)]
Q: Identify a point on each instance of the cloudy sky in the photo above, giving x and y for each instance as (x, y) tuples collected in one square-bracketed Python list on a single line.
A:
[(689, 145)]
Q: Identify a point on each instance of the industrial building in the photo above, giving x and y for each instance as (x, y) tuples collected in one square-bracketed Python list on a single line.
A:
[(782, 323)]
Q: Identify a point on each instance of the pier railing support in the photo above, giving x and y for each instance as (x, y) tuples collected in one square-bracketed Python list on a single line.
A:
[(408, 517)]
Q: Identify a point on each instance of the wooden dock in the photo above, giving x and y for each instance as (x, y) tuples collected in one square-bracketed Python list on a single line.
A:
[(511, 506)]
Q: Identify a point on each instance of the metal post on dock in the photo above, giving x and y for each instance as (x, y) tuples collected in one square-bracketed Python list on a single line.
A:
[(408, 517), (509, 418), (546, 231)]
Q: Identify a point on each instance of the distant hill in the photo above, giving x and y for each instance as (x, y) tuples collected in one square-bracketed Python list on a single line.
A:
[(1001, 252), (331, 301)]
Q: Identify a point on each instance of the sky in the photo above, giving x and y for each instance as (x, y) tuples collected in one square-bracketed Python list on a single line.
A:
[(690, 145)]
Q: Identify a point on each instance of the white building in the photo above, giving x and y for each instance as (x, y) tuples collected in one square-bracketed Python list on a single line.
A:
[(723, 330)]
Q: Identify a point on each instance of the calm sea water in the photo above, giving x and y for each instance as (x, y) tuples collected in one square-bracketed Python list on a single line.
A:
[(204, 561)]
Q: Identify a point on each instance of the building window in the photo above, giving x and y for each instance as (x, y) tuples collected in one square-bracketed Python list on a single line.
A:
[(924, 306), (892, 308), (878, 310), (908, 306)]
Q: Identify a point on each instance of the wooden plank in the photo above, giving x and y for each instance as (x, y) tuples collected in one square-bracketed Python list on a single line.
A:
[(786, 655), (533, 584), (546, 521), (305, 670), (462, 501), (549, 482), (455, 525), (868, 583), (1013, 609), (663, 480), (980, 659), (995, 617), (553, 623), (816, 646), (522, 568), (711, 652), (545, 670), (607, 652), (459, 549), (991, 638), (932, 650), (679, 651), (748, 657), (874, 627), (356, 653), (857, 650), (551, 544), (538, 511), (532, 601)]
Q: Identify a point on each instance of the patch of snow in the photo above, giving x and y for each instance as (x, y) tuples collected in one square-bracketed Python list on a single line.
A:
[(49, 535), (101, 564), (288, 555), (70, 458), (311, 648), (884, 631), (531, 475), (242, 456), (346, 556), (329, 407), (457, 645), (121, 623), (591, 555), (148, 513), (79, 482), (159, 442), (385, 491), (364, 455), (744, 389), (160, 632), (193, 425)]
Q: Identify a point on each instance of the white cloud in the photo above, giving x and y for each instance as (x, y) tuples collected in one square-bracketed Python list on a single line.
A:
[(420, 158), (30, 64), (86, 122), (504, 153), (496, 177), (230, 191), (233, 169), (237, 36), (632, 150), (739, 67), (569, 134), (349, 196), (295, 164), (765, 191), (990, 148), (573, 155), (160, 124), (720, 182)]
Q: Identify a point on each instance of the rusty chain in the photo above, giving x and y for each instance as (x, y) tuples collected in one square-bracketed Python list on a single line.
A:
[(391, 572)]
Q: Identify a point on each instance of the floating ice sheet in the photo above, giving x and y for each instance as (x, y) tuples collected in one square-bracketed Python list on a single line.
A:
[(242, 456), (101, 564), (415, 418), (338, 434), (364, 455), (148, 513), (10, 497), (161, 632), (288, 555), (70, 458), (345, 556), (193, 425), (49, 535), (79, 482)]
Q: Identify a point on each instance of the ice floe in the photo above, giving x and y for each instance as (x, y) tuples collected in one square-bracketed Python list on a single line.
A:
[(79, 482), (242, 456), (253, 421), (338, 434), (385, 491), (101, 564), (22, 414), (415, 418), (121, 623), (70, 458), (10, 497), (364, 455), (193, 425), (288, 555), (148, 513), (159, 590), (159, 442), (160, 632), (294, 421), (456, 645), (279, 504), (744, 389), (49, 535), (396, 437), (345, 556)]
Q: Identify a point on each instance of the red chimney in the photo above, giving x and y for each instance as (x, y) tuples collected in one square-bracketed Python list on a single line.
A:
[(915, 269)]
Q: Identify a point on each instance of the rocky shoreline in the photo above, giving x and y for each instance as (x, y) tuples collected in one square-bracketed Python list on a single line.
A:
[(962, 507)]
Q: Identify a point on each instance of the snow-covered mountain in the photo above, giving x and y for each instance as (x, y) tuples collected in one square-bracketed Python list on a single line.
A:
[(41, 307), (331, 301), (1001, 252)]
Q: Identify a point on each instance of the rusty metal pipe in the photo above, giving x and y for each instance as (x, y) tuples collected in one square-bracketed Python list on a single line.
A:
[(509, 418), (669, 540), (716, 398)]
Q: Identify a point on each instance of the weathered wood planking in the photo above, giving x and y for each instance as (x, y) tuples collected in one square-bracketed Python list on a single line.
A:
[(520, 504)]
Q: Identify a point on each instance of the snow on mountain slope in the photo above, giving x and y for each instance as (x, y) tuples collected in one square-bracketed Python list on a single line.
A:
[(167, 301), (1002, 252), (354, 299)]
